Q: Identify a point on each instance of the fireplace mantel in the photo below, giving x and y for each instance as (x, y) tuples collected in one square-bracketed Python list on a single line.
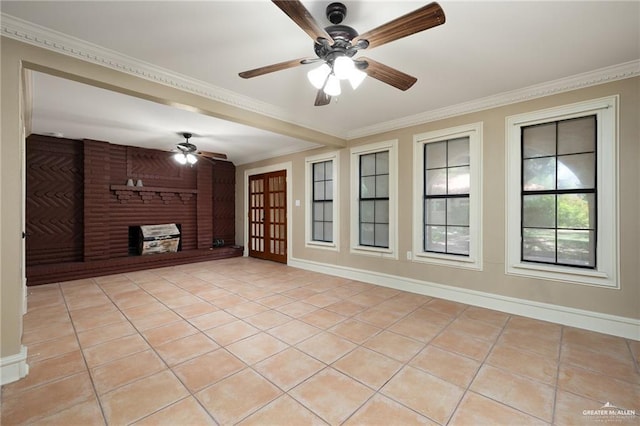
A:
[(125, 192)]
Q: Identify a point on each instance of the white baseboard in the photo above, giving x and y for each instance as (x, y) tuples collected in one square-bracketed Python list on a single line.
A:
[(602, 323), (14, 367)]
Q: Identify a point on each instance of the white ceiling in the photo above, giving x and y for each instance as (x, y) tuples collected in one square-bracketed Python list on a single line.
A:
[(484, 49)]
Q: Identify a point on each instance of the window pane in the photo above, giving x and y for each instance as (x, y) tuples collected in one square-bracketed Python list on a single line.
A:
[(457, 240), (318, 171), (328, 190), (328, 211), (435, 238), (382, 235), (318, 231), (459, 180), (318, 211), (539, 245), (367, 164), (576, 247), (382, 186), (328, 169), (382, 211), (539, 174), (458, 211), (366, 234), (539, 141), (366, 211), (382, 162), (577, 135), (576, 171), (368, 187), (458, 152), (577, 211), (328, 232), (435, 211), (318, 191), (436, 182), (539, 211), (436, 154)]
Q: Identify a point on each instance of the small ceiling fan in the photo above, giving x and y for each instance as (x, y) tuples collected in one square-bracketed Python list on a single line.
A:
[(188, 153), (336, 45)]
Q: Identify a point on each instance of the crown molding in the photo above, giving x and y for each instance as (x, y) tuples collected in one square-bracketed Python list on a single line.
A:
[(37, 35), (579, 81)]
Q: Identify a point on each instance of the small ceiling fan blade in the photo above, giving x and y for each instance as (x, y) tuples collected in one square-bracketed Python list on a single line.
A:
[(388, 75), (322, 98), (272, 68), (212, 155), (299, 14), (421, 19)]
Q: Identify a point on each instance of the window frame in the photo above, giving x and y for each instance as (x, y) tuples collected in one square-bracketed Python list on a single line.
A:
[(356, 152), (474, 132), (310, 161), (605, 274)]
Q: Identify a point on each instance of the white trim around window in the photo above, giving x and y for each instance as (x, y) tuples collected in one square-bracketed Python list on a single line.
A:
[(334, 157), (474, 260), (392, 148), (606, 272)]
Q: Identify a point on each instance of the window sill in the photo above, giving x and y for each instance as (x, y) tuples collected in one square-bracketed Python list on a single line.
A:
[(321, 245), (564, 274), (374, 251), (448, 260)]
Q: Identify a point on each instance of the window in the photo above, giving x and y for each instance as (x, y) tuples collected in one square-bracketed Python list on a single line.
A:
[(447, 212), (374, 190), (321, 217), (561, 195)]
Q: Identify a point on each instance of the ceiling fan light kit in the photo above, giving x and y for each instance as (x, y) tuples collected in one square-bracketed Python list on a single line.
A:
[(337, 44), (186, 152)]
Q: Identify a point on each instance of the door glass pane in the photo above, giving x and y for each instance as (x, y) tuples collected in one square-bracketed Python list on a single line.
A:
[(436, 182), (457, 240), (539, 245), (539, 211), (458, 154), (539, 174), (539, 141), (435, 211), (576, 247), (577, 211), (577, 135), (576, 171), (458, 211), (459, 180), (436, 155), (435, 238)]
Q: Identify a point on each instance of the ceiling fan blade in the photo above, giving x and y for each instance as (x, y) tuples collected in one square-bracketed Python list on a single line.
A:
[(272, 68), (212, 155), (301, 16), (421, 19), (388, 75), (322, 98)]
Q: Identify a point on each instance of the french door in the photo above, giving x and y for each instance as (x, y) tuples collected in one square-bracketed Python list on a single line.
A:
[(268, 216)]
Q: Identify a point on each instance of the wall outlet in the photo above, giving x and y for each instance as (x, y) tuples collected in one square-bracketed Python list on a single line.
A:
[(297, 203), (409, 255)]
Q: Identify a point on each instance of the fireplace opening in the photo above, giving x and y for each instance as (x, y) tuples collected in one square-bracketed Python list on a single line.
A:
[(151, 239)]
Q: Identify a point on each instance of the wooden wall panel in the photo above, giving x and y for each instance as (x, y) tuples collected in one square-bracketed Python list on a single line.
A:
[(54, 201)]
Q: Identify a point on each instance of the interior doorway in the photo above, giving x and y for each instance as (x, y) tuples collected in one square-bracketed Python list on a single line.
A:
[(268, 216)]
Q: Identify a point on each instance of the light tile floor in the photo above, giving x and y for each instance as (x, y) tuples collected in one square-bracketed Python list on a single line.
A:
[(243, 341)]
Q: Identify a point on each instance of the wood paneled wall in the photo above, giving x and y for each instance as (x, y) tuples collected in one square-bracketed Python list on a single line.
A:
[(79, 209)]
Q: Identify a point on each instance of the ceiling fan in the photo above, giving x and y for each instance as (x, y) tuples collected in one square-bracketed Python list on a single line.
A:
[(336, 45), (188, 153)]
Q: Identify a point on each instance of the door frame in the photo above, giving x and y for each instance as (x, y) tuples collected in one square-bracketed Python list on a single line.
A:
[(245, 197)]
